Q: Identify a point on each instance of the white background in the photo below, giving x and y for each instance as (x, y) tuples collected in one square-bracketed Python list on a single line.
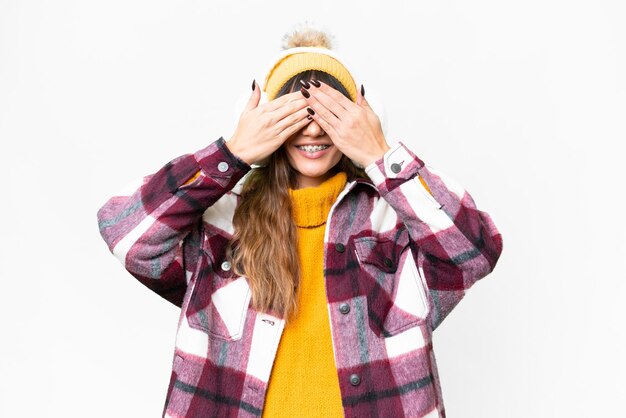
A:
[(522, 102)]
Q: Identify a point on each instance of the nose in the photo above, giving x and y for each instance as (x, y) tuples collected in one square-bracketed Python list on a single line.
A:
[(313, 129)]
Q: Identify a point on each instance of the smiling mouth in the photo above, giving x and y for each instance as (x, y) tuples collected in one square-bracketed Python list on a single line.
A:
[(312, 148)]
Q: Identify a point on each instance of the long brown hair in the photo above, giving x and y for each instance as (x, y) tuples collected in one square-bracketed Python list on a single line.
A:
[(264, 246)]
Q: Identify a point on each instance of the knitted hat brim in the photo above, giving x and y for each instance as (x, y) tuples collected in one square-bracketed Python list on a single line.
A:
[(297, 60)]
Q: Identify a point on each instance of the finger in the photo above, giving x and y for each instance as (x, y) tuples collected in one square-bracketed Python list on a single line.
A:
[(323, 112), (360, 95), (337, 96), (282, 100), (298, 103), (304, 120), (255, 97), (291, 119), (324, 124), (361, 100), (326, 101)]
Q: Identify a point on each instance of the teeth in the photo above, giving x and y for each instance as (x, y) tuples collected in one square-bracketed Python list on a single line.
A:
[(313, 148)]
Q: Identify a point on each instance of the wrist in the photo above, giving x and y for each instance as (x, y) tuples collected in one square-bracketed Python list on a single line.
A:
[(238, 152), (376, 156)]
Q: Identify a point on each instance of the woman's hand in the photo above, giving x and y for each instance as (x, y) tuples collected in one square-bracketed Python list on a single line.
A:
[(353, 127), (263, 129)]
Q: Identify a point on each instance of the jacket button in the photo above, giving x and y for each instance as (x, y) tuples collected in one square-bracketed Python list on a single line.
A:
[(355, 380), (225, 266), (396, 168), (340, 247), (344, 308), (222, 167), (388, 263)]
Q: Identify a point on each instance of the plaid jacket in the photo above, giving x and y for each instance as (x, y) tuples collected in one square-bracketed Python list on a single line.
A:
[(397, 260)]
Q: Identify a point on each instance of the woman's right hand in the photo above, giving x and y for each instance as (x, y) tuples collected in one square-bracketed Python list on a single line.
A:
[(263, 129)]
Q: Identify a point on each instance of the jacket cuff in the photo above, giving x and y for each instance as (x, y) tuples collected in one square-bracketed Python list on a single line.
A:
[(217, 162), (395, 167)]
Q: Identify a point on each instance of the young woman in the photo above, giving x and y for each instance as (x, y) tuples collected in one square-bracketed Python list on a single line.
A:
[(311, 259)]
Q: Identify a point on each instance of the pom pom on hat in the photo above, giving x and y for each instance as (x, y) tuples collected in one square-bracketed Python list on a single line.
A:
[(305, 35)]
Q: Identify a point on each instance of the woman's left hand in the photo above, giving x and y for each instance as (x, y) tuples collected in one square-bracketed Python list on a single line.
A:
[(354, 128)]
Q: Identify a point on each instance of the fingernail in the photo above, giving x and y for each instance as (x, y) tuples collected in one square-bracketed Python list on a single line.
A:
[(315, 83), (311, 111), (305, 84), (253, 84), (362, 90), (305, 92), (309, 117)]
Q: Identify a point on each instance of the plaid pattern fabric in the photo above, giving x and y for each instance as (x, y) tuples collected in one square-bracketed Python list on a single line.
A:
[(397, 260)]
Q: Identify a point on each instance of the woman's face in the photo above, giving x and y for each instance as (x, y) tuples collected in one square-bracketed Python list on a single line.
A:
[(312, 154)]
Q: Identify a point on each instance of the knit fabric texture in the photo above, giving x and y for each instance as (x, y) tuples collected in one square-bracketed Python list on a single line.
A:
[(294, 64), (304, 381)]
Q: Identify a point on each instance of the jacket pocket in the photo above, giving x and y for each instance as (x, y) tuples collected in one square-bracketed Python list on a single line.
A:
[(395, 292), (218, 304)]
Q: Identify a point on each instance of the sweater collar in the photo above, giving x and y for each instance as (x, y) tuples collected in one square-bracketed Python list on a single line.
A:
[(310, 206)]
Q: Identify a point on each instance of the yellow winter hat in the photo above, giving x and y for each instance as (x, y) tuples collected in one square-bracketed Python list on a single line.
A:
[(307, 49)]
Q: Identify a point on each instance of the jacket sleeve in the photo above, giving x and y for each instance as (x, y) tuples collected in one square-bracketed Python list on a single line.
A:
[(155, 230), (456, 244)]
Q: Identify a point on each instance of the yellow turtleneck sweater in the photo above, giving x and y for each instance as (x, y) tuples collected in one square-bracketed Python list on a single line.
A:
[(304, 379)]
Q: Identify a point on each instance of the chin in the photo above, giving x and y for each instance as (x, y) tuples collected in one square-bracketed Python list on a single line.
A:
[(313, 174), (316, 174)]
